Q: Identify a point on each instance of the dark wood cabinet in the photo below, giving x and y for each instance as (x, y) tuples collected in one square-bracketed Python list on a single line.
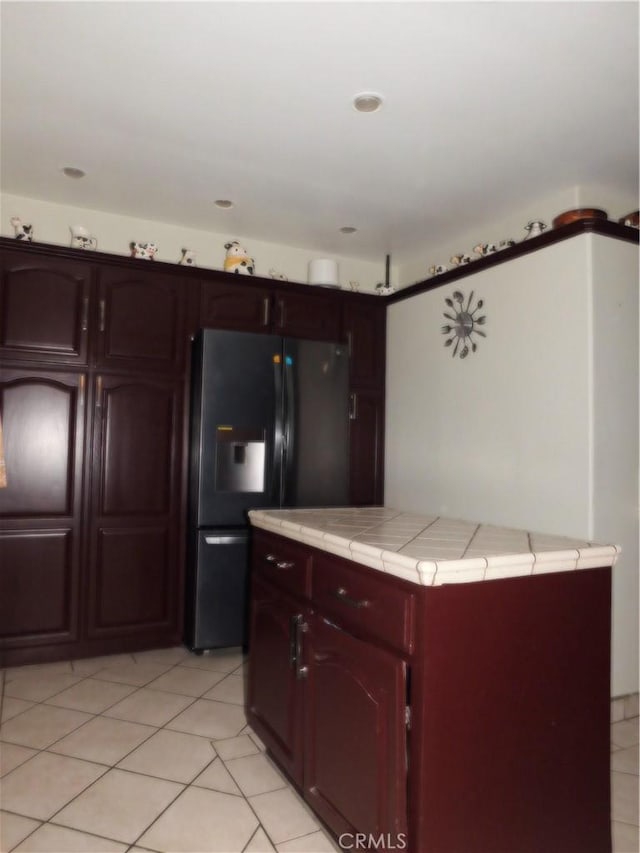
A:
[(232, 306), (314, 315), (364, 324), (44, 308), (355, 733), (135, 507), (366, 448), (426, 708), (40, 509), (140, 320), (329, 705), (96, 391)]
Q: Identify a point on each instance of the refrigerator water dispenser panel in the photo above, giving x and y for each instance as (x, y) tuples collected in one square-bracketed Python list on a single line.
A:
[(240, 459)]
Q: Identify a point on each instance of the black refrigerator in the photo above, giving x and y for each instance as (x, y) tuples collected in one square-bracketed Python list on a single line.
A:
[(269, 428)]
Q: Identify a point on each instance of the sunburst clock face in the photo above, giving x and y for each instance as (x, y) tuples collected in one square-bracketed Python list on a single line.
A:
[(464, 324)]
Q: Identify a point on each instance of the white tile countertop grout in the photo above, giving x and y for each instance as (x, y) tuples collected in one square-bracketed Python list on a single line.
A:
[(431, 550)]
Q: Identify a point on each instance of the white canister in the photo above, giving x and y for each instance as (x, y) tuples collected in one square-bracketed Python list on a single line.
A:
[(323, 271)]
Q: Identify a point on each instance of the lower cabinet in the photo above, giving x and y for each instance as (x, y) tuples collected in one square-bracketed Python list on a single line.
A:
[(330, 706), (460, 718)]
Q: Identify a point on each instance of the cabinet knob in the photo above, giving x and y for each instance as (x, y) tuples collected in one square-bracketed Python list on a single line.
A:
[(285, 564)]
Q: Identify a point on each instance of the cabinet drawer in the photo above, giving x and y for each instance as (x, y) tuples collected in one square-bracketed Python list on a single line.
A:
[(359, 600), (284, 562)]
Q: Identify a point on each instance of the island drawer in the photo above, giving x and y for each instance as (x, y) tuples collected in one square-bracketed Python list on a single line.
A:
[(283, 562), (358, 600)]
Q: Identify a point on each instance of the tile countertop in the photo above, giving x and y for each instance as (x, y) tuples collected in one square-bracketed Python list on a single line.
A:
[(431, 550)]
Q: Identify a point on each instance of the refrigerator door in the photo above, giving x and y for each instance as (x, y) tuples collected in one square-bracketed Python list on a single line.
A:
[(236, 426), (316, 424), (216, 612)]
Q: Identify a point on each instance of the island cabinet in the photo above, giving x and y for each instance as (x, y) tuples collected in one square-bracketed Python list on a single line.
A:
[(328, 683), (466, 716)]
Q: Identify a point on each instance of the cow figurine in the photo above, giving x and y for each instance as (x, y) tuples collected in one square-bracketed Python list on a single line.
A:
[(484, 249), (144, 251), (437, 269), (385, 289), (188, 258), (505, 244), (461, 260), (237, 260), (22, 232), (535, 229)]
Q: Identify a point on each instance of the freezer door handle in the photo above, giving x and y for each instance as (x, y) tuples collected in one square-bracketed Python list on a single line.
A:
[(225, 540)]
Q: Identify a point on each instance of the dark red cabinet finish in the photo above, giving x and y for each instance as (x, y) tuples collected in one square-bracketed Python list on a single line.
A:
[(134, 545), (140, 320), (95, 512), (40, 509), (44, 308), (465, 717), (355, 734), (314, 315), (366, 432), (329, 706), (234, 306)]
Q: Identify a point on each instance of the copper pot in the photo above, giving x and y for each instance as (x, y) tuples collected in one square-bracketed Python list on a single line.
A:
[(578, 214)]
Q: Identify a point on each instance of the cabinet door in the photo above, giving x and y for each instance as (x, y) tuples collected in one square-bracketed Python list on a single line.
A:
[(40, 508), (355, 734), (135, 561), (366, 439), (364, 326), (44, 308), (308, 315), (275, 701), (140, 320), (235, 306)]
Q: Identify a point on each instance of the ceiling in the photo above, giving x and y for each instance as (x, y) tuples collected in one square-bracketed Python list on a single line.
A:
[(169, 106)]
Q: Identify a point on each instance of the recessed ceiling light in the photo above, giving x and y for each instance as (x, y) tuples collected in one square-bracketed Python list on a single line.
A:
[(348, 229), (367, 102), (223, 202), (73, 172)]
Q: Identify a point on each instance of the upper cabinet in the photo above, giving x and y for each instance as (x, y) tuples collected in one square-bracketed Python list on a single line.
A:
[(246, 306), (364, 325), (232, 306), (44, 308), (140, 320), (309, 314)]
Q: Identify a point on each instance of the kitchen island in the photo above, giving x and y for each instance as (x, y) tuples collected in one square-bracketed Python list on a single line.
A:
[(439, 685)]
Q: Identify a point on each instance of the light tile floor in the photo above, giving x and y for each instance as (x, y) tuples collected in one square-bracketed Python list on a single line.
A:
[(152, 752)]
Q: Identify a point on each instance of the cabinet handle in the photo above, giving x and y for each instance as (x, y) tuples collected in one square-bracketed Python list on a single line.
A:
[(293, 641), (102, 314), (270, 558), (350, 343), (99, 393), (265, 309), (281, 313), (353, 409), (85, 314), (285, 564), (300, 629), (342, 595)]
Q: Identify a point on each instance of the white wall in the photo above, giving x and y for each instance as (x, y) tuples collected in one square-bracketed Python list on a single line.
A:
[(509, 435), (509, 225), (615, 436), (114, 232)]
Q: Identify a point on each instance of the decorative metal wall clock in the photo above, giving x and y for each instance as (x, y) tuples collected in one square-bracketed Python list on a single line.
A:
[(464, 326)]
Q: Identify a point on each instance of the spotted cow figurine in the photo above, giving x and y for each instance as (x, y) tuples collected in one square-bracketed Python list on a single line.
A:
[(484, 249), (188, 258), (237, 260), (144, 251), (22, 232), (461, 260)]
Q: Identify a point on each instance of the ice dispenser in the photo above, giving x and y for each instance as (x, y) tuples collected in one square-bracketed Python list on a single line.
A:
[(240, 459)]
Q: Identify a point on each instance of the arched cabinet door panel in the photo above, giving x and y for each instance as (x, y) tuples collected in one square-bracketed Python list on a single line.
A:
[(134, 584), (40, 508), (355, 733), (44, 308)]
